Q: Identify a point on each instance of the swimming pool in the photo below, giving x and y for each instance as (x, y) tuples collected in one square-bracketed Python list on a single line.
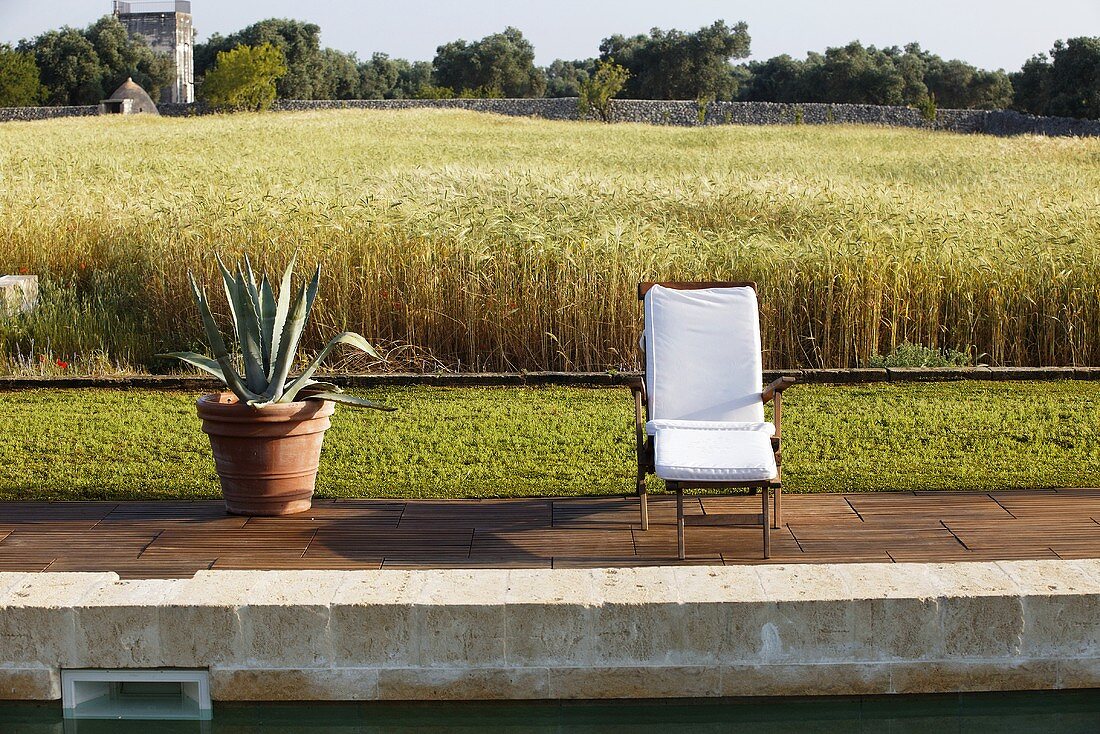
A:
[(1044, 712)]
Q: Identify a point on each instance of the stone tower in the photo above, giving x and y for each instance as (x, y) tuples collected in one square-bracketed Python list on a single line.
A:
[(167, 27)]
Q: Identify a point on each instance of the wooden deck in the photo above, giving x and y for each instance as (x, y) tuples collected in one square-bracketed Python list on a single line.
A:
[(169, 539)]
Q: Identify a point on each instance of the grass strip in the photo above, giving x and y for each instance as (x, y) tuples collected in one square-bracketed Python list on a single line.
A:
[(512, 442)]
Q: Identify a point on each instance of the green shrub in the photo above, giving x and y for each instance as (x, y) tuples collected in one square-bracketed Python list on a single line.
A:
[(244, 78), (927, 107), (597, 91), (908, 354)]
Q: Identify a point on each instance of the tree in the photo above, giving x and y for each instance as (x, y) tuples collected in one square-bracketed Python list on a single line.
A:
[(244, 78), (378, 77), (69, 67), (677, 65), (19, 84), (563, 78), (82, 67), (1030, 84), (502, 64), (122, 56), (339, 76), (779, 79), (959, 85), (857, 74), (299, 42), (597, 91), (1073, 87), (411, 78)]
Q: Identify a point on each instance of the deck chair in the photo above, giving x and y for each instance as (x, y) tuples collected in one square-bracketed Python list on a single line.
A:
[(699, 410)]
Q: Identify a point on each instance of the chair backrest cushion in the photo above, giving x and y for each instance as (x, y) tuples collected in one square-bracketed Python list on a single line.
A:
[(703, 359)]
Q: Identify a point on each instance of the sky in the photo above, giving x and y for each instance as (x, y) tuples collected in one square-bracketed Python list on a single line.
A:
[(988, 33)]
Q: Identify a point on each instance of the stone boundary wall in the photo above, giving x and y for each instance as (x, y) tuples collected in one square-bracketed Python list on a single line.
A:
[(23, 114), (663, 632), (658, 112), (572, 379)]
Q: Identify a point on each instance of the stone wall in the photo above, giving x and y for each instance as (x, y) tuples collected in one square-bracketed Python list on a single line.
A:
[(680, 113), (663, 632), (859, 375), (12, 114)]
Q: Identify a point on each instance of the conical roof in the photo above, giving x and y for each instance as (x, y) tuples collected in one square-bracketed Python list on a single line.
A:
[(142, 102)]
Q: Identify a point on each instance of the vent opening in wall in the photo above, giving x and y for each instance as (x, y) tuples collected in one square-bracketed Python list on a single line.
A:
[(136, 694)]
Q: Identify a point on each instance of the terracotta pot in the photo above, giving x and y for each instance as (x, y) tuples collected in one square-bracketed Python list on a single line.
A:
[(266, 458)]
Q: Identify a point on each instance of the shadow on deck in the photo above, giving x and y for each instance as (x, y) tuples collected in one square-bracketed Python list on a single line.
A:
[(172, 539)]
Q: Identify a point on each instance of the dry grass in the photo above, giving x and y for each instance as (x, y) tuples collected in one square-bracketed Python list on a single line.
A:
[(469, 241)]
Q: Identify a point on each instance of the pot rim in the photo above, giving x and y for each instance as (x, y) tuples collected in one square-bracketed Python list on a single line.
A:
[(212, 407)]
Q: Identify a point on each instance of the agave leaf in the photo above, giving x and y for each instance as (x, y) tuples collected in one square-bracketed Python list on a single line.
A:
[(282, 310), (253, 290), (201, 361), (267, 323), (217, 346), (348, 337), (248, 332), (288, 346), (347, 400), (322, 385), (249, 272), (311, 293), (230, 286)]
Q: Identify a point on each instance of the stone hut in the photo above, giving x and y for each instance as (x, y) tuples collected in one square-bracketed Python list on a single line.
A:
[(129, 99)]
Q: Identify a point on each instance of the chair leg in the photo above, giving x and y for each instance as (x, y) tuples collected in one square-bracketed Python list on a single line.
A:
[(766, 524), (643, 499), (777, 521), (680, 522)]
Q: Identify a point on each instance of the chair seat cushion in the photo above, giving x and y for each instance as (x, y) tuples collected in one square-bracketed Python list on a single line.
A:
[(712, 451), (652, 426)]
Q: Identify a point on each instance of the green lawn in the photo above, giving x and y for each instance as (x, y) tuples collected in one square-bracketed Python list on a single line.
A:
[(490, 442)]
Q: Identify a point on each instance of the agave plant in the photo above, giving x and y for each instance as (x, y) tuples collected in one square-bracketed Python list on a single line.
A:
[(269, 327)]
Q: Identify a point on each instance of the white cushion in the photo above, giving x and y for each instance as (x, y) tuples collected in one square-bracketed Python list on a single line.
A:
[(703, 358), (652, 426), (702, 452)]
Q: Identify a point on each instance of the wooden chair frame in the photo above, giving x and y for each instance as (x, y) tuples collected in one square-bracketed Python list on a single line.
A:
[(773, 393)]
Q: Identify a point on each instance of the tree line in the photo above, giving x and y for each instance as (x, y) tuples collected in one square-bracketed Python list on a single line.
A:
[(71, 66)]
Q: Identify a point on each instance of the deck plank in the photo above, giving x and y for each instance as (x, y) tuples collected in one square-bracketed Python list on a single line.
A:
[(176, 539)]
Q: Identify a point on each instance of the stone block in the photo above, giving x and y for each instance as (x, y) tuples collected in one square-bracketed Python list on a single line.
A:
[(638, 619), (899, 629), (971, 579), (549, 634), (812, 618), (834, 679), (982, 627), (285, 623), (895, 611), (636, 682), (477, 684), (1079, 673), (37, 622), (460, 617), (200, 624), (29, 684), (636, 586), (1061, 626), (308, 684), (888, 581), (373, 619), (9, 581), (803, 582), (118, 626), (951, 676)]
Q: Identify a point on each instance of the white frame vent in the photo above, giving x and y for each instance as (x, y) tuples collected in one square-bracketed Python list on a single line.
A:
[(136, 694)]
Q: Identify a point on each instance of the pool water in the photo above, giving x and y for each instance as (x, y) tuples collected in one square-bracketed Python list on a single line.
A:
[(1046, 712)]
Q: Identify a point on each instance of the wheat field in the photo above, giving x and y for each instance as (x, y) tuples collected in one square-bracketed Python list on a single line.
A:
[(457, 240)]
